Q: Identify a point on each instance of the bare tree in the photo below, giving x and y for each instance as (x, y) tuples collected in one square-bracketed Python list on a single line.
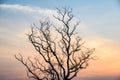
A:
[(58, 59)]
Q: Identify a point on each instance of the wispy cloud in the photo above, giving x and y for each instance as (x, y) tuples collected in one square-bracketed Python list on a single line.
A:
[(36, 13), (27, 9)]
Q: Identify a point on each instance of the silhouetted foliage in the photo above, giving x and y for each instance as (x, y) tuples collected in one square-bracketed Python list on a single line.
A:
[(59, 58)]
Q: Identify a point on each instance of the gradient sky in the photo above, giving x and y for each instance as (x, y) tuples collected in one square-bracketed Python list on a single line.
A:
[(100, 28)]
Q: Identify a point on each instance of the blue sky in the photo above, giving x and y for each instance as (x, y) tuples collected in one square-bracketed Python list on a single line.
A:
[(99, 15), (100, 27)]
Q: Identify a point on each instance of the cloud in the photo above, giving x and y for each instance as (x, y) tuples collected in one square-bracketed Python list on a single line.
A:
[(36, 13), (27, 9)]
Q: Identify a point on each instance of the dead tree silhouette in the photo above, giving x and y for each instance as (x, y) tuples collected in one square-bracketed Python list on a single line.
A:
[(58, 59)]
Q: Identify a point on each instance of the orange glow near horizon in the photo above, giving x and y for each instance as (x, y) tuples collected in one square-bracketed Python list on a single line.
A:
[(106, 64)]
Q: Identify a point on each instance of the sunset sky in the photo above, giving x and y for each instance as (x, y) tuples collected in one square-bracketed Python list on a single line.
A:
[(99, 28)]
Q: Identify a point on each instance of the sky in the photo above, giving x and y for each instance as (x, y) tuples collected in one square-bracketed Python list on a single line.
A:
[(99, 27)]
